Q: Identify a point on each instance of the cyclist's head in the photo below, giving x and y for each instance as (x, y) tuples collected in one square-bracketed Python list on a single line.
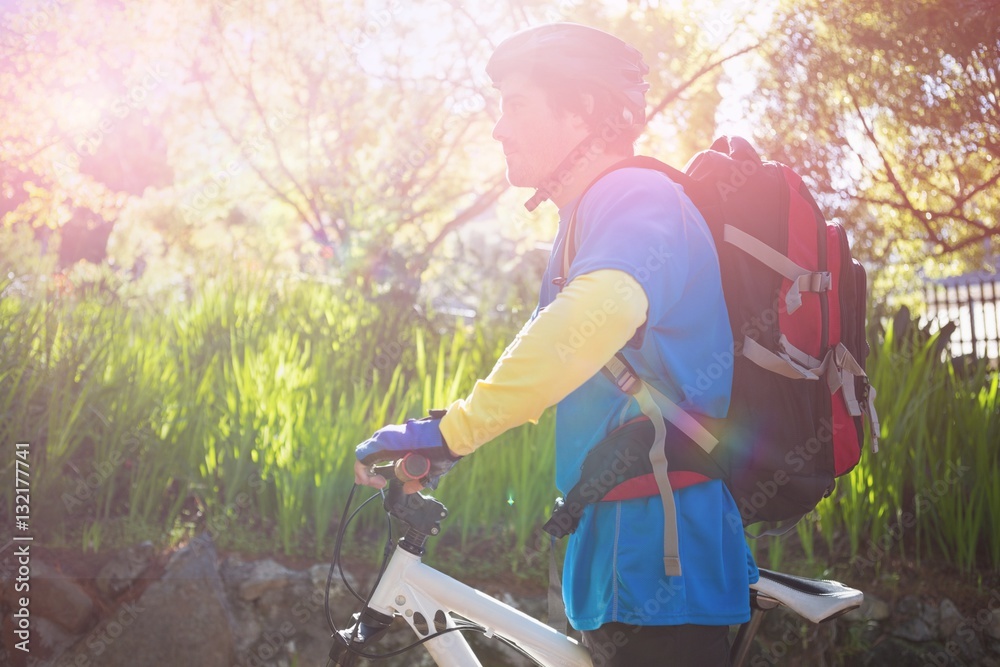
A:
[(584, 71)]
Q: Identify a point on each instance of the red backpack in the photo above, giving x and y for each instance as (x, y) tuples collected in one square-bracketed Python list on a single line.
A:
[(797, 302)]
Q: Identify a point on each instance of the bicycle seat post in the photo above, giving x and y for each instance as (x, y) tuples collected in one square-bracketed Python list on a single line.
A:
[(744, 638)]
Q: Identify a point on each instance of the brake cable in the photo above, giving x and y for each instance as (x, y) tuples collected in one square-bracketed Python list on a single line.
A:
[(338, 564)]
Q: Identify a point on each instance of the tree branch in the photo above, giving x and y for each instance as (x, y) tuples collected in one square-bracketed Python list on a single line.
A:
[(483, 202), (675, 94), (890, 174), (310, 197)]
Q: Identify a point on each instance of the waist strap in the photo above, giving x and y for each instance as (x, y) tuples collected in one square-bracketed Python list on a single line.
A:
[(620, 468), (644, 486)]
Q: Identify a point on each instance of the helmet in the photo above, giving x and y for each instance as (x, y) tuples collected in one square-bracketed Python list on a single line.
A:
[(576, 52)]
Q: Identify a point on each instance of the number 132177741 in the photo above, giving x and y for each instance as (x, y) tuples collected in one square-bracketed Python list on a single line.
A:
[(22, 487)]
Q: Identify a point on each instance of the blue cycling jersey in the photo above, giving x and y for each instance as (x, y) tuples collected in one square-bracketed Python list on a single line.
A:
[(640, 222)]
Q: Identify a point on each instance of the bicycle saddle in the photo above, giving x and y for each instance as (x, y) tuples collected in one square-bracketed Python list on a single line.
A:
[(815, 599)]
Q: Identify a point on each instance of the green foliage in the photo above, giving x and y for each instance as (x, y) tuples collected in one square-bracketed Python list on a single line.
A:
[(931, 490), (237, 412), (240, 407)]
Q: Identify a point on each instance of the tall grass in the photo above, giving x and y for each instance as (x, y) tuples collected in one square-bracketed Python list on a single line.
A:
[(241, 406), (238, 410), (932, 489)]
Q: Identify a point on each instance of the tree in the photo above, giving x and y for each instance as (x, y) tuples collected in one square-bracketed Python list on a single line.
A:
[(79, 137), (355, 134), (891, 110)]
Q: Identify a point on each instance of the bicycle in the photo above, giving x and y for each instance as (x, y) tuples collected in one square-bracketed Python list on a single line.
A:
[(429, 600)]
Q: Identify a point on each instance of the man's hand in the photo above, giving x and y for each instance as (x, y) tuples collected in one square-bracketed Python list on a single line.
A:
[(364, 476), (419, 436)]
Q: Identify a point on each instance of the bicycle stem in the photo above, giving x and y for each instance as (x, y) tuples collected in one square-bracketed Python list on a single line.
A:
[(421, 514)]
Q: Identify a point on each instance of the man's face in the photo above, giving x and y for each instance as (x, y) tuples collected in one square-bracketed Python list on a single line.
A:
[(534, 136)]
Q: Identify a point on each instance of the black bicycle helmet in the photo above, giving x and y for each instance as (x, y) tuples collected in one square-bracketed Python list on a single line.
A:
[(576, 52)]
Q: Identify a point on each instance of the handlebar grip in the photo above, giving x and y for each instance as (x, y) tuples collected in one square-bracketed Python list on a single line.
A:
[(412, 467)]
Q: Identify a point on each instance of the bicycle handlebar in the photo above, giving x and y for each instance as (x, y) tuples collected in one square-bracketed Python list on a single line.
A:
[(412, 467)]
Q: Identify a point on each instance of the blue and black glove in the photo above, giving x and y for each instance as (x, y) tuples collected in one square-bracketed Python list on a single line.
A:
[(416, 436)]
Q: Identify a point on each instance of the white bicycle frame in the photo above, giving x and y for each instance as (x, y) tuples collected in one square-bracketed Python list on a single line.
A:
[(426, 598)]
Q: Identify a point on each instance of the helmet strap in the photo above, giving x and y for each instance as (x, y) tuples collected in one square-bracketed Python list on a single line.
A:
[(593, 144)]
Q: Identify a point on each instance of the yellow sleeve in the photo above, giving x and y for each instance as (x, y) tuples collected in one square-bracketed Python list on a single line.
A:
[(564, 346)]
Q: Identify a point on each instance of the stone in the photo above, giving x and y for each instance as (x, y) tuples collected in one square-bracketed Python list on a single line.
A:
[(182, 619), (319, 573), (234, 573), (871, 609), (951, 618), (919, 621), (248, 627), (966, 646), (903, 654), (58, 598), (50, 638), (992, 628), (123, 569), (914, 630), (266, 575)]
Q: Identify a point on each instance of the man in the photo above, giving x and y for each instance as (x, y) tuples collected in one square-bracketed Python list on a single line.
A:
[(644, 278)]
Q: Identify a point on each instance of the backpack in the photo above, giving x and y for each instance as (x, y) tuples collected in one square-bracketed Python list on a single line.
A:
[(797, 303)]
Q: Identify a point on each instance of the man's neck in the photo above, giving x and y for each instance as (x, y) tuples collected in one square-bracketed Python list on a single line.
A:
[(583, 175)]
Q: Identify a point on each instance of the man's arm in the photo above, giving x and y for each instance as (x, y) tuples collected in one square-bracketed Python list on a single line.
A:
[(564, 346)]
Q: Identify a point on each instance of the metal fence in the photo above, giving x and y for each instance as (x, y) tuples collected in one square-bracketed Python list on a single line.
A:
[(973, 304)]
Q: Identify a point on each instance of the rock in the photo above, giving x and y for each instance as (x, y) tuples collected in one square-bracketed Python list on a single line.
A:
[(292, 622), (248, 628), (902, 654), (961, 639), (914, 630), (871, 609), (182, 619), (967, 647), (951, 618), (319, 573), (919, 621), (234, 573), (265, 576), (121, 571), (57, 597), (50, 638), (992, 628)]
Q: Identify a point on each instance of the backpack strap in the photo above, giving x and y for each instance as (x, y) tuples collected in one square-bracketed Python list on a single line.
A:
[(803, 280), (657, 407), (636, 161), (838, 367)]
